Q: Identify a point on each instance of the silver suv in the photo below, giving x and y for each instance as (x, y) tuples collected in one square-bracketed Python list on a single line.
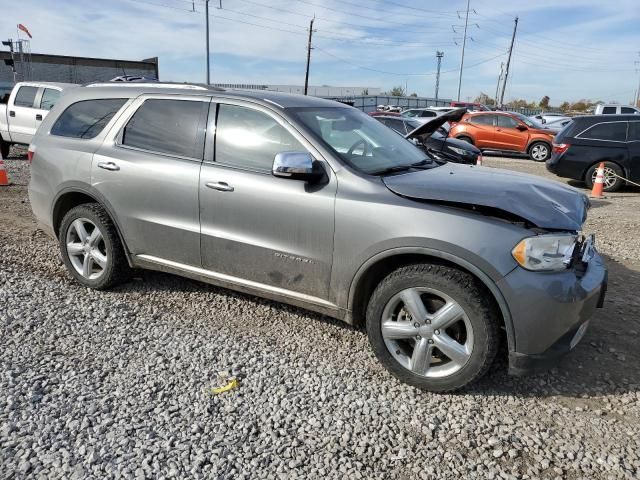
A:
[(313, 203)]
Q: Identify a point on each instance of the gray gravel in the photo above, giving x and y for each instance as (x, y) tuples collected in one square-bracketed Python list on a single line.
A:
[(118, 384)]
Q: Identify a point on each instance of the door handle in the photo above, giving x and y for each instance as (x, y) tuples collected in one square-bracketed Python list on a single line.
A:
[(220, 186), (109, 166), (38, 117), (12, 113)]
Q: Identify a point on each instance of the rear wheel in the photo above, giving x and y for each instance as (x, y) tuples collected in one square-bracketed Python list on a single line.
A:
[(539, 152), (91, 248), (432, 327), (612, 183), (464, 138)]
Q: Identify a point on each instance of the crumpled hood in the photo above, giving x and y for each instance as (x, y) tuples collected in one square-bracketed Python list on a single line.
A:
[(544, 203)]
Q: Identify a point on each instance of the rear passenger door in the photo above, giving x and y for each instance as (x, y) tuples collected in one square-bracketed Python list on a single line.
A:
[(483, 130), (633, 139), (45, 101), (148, 173), (22, 114)]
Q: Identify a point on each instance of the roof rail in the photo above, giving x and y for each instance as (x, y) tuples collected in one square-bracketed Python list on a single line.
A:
[(175, 85)]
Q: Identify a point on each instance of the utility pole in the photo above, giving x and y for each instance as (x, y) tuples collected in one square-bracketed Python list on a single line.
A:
[(506, 73), (206, 12), (464, 42), (439, 56), (498, 84), (306, 76)]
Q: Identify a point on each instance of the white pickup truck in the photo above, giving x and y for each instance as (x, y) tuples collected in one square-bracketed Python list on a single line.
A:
[(28, 104)]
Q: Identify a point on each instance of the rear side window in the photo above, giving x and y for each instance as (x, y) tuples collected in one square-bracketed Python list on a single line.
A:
[(87, 118), (482, 120), (427, 113), (611, 131), (251, 139), (609, 110), (49, 98), (634, 132), (25, 96), (174, 127)]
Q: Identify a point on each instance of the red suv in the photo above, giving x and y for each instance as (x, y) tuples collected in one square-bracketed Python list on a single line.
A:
[(504, 131)]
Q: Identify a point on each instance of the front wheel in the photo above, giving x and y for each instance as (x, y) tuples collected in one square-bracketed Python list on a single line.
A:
[(4, 148), (91, 248), (539, 152), (432, 327)]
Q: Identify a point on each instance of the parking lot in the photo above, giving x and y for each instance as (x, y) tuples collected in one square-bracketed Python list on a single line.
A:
[(118, 383)]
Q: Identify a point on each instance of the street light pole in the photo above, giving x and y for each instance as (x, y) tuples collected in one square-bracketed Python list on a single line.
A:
[(206, 10)]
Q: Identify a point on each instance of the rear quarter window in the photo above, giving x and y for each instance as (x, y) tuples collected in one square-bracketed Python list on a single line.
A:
[(87, 118), (609, 131)]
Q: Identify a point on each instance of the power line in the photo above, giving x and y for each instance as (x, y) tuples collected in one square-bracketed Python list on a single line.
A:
[(427, 74)]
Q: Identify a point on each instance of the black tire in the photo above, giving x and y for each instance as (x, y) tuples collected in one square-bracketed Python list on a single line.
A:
[(464, 138), (539, 145), (464, 289), (4, 148), (614, 186), (117, 268)]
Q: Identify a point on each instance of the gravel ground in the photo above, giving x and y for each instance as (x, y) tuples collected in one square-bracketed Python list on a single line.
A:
[(118, 384)]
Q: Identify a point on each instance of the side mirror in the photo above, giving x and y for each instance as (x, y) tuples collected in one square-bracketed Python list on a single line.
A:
[(522, 128), (543, 120), (295, 165)]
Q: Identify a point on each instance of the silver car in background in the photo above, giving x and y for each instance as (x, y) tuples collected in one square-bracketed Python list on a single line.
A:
[(316, 204)]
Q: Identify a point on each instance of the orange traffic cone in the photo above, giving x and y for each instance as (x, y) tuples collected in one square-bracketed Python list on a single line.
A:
[(4, 178), (596, 191)]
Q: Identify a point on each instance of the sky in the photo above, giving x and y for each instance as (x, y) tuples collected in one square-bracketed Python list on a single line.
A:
[(566, 49)]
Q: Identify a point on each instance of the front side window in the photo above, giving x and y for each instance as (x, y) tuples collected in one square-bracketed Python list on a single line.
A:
[(411, 113), (396, 125), (173, 127), (482, 120), (49, 98), (25, 96), (358, 139), (506, 122), (250, 139), (628, 110), (87, 118), (427, 113), (611, 131)]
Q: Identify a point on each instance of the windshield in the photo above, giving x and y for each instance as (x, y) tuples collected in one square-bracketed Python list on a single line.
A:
[(359, 140), (527, 121)]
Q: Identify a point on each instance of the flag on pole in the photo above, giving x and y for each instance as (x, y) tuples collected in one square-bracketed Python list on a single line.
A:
[(24, 29)]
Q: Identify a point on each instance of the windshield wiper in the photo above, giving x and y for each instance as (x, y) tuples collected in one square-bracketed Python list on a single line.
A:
[(402, 168)]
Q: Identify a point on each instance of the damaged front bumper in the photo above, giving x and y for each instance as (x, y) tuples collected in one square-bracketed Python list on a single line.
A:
[(551, 310)]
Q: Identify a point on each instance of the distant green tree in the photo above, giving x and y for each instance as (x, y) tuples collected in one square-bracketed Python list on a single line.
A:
[(397, 91), (581, 105), (565, 106), (414, 94), (544, 103)]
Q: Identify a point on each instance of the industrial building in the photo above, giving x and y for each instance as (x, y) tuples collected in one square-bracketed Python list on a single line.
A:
[(62, 68), (316, 91)]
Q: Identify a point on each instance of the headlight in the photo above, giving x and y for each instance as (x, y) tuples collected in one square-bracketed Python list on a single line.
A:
[(545, 252), (459, 151)]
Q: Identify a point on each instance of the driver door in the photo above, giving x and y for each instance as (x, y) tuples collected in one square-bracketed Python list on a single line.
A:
[(255, 227)]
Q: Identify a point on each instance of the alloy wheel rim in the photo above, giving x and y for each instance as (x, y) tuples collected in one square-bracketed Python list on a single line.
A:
[(609, 177), (539, 152), (86, 248), (427, 332)]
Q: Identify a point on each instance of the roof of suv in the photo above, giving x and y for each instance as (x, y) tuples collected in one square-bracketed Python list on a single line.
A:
[(134, 89)]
